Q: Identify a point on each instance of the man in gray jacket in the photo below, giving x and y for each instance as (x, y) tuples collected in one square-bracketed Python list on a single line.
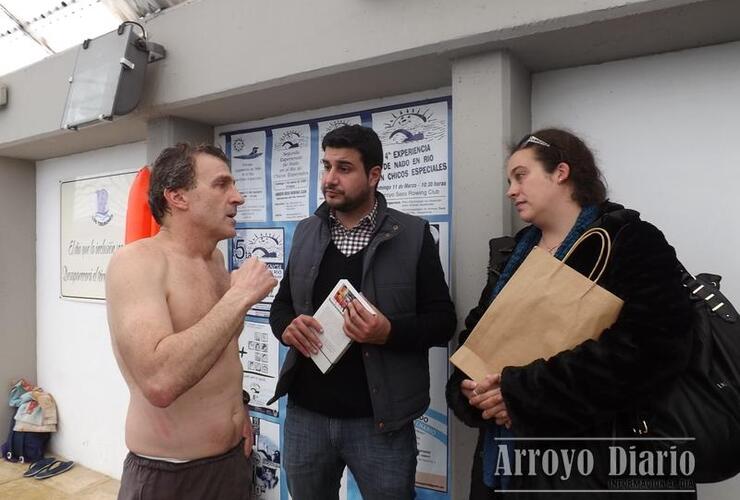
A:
[(360, 413)]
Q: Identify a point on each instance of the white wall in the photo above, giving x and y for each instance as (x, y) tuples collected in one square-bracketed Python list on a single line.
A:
[(75, 359), (665, 130)]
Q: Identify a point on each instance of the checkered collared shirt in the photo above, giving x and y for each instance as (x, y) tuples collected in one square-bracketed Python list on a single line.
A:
[(351, 241)]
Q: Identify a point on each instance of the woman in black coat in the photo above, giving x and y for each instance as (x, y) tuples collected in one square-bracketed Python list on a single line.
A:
[(599, 388)]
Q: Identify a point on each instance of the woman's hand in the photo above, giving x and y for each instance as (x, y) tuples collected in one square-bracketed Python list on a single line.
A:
[(486, 396)]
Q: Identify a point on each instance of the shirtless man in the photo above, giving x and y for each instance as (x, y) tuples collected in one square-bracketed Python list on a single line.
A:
[(175, 314)]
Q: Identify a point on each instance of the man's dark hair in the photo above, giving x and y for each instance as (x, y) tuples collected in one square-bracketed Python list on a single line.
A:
[(553, 146), (363, 139), (174, 168)]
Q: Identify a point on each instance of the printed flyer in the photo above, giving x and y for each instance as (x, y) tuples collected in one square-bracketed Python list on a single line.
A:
[(248, 169), (291, 165), (415, 154)]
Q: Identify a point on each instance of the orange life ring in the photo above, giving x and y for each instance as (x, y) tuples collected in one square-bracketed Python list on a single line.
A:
[(139, 221)]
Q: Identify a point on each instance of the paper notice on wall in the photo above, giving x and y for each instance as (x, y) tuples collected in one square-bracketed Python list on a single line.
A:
[(324, 128), (415, 158), (93, 226), (258, 351), (248, 169), (291, 165), (431, 428), (267, 243), (266, 459)]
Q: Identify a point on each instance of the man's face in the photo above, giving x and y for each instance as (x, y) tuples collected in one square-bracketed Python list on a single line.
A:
[(345, 184), (213, 200)]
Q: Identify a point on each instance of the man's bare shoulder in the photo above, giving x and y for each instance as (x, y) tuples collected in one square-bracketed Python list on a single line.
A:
[(142, 258), (147, 250)]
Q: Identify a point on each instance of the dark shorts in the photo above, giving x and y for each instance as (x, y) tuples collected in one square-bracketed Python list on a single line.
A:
[(223, 477)]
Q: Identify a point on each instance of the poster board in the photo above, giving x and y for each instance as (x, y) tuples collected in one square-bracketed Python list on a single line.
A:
[(278, 168), (92, 227)]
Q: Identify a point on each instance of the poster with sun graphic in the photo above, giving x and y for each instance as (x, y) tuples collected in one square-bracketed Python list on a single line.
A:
[(415, 158), (248, 169), (324, 128), (291, 166), (268, 244)]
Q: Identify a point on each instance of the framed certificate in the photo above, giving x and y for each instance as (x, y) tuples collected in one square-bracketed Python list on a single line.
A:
[(93, 225)]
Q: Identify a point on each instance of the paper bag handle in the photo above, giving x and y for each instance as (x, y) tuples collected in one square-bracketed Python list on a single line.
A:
[(606, 247)]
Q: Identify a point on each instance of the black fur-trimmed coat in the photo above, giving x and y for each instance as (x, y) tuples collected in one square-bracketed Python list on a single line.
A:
[(597, 388)]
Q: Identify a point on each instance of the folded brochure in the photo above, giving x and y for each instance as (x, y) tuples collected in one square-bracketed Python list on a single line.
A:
[(331, 317)]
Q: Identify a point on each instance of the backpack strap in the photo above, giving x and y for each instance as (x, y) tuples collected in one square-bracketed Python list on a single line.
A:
[(706, 287)]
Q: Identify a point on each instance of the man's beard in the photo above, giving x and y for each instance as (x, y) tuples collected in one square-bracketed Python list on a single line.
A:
[(347, 204)]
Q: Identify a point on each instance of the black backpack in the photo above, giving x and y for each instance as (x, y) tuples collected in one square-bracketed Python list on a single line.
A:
[(704, 402), (24, 446)]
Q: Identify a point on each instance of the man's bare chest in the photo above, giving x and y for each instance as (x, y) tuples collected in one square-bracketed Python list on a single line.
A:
[(192, 291)]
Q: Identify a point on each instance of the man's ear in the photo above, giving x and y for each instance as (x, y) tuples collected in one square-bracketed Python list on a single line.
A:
[(374, 175), (176, 198)]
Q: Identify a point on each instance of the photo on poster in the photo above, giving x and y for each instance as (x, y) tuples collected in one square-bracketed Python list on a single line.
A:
[(248, 169), (290, 170), (259, 355), (266, 459), (324, 128), (415, 157)]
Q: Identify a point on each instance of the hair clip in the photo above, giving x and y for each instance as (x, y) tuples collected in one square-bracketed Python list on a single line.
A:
[(536, 140)]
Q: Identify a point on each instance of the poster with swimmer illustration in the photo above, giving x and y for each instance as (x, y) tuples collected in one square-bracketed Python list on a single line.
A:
[(248, 169), (291, 166), (415, 157)]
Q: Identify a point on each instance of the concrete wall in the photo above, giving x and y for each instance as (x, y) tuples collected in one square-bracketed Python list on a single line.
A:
[(231, 48), (17, 278), (75, 358), (665, 131), (490, 108)]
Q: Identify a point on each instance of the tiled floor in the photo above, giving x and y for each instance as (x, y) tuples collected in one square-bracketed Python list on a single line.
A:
[(77, 483)]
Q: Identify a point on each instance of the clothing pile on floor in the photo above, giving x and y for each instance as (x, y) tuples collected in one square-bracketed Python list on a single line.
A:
[(37, 411), (30, 430)]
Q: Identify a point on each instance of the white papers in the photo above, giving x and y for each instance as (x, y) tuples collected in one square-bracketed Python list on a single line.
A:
[(331, 317), (267, 243), (291, 164), (432, 429), (258, 351), (415, 158), (248, 169)]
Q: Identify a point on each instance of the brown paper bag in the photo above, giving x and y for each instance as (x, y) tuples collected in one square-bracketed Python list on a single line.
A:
[(545, 308)]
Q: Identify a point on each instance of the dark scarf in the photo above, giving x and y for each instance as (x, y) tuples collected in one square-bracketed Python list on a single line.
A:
[(526, 243)]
